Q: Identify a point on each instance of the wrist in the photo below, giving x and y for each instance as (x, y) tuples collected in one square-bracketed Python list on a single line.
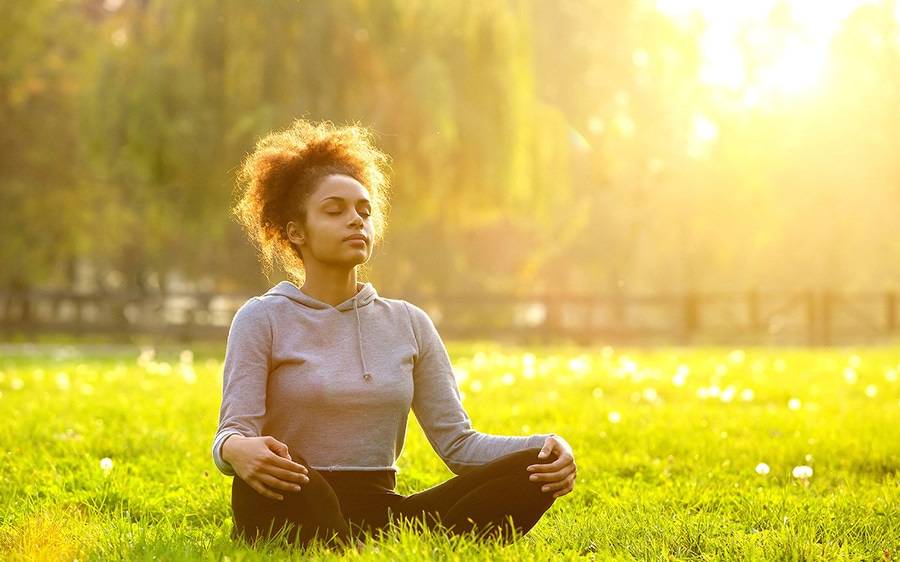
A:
[(225, 447)]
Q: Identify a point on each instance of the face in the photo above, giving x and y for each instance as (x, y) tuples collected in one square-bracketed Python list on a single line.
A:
[(339, 207)]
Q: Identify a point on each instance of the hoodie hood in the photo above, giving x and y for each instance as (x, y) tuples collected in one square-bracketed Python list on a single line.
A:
[(365, 294)]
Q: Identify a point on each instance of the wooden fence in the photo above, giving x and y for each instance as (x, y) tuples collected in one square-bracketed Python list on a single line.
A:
[(817, 318)]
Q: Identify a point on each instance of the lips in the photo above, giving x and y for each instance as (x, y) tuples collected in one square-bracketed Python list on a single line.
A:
[(357, 237)]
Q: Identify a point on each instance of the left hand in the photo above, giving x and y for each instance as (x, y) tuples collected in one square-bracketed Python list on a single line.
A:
[(559, 475)]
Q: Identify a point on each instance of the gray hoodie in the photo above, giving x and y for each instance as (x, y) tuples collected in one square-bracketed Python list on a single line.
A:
[(336, 383)]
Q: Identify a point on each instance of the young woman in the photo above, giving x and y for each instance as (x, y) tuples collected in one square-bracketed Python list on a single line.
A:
[(319, 378)]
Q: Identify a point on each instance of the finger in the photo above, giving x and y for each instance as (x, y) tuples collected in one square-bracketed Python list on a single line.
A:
[(548, 447), (558, 485), (287, 464), (288, 475), (278, 484), (562, 461), (262, 490), (553, 476), (562, 493)]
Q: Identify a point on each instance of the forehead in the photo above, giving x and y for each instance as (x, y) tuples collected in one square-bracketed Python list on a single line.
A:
[(338, 186)]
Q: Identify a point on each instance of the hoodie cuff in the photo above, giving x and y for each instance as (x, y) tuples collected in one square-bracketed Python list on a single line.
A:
[(223, 466), (538, 440)]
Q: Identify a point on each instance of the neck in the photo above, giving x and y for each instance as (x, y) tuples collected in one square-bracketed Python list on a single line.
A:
[(332, 289)]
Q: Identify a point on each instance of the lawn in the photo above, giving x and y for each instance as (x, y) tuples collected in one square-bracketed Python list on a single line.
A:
[(683, 454)]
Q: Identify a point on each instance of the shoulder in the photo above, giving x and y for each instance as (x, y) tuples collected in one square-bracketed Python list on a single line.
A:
[(416, 314), (255, 310)]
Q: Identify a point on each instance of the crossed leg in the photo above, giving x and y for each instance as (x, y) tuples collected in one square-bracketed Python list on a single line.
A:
[(312, 513), (482, 502), (488, 501)]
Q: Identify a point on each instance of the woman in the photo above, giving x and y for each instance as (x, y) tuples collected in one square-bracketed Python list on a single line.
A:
[(319, 379)]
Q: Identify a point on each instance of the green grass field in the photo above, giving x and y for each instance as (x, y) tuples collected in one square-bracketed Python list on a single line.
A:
[(106, 454)]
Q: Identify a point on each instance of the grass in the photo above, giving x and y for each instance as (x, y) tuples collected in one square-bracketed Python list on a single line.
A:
[(667, 443)]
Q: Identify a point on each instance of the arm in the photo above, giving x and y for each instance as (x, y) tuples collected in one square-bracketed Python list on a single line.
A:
[(244, 379), (439, 410)]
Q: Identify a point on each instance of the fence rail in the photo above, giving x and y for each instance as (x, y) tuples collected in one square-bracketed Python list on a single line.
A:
[(817, 318)]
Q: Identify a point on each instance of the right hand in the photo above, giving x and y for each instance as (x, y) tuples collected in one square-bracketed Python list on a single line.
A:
[(265, 464)]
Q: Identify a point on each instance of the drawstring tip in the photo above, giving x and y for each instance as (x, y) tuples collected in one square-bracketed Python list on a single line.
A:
[(367, 376)]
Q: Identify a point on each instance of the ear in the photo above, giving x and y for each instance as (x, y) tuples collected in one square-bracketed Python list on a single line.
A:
[(294, 233)]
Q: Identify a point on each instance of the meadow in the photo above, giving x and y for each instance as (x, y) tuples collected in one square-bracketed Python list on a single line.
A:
[(683, 454)]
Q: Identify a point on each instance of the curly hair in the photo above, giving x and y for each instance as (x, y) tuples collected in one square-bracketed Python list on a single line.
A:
[(286, 166)]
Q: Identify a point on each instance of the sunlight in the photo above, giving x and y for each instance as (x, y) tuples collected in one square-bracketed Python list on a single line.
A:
[(763, 47)]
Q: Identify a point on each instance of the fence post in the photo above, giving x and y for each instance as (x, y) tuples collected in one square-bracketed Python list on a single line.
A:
[(753, 313), (691, 316), (890, 309), (828, 300), (812, 327)]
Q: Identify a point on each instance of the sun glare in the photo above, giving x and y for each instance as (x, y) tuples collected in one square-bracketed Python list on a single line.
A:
[(764, 47)]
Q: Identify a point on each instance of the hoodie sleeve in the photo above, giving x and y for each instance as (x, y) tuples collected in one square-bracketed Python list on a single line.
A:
[(439, 410), (244, 379)]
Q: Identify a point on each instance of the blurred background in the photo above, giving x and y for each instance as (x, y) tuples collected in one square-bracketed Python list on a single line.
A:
[(597, 171)]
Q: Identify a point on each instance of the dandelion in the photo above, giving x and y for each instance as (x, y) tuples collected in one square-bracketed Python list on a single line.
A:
[(890, 375), (728, 394), (808, 457), (714, 390), (762, 468), (747, 394), (614, 417), (529, 371), (460, 373), (850, 375), (475, 386), (736, 356), (650, 394), (187, 373), (106, 464), (62, 380), (579, 364), (186, 356), (526, 428), (855, 361), (794, 404), (702, 393), (16, 383), (508, 379), (871, 390), (802, 472), (627, 365), (597, 393), (86, 389), (146, 356)]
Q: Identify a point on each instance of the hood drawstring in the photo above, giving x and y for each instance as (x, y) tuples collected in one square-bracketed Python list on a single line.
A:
[(366, 294), (366, 374)]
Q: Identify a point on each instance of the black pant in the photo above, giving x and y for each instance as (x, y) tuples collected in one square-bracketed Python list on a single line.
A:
[(338, 507)]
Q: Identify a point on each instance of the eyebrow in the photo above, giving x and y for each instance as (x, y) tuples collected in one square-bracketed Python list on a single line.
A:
[(366, 201)]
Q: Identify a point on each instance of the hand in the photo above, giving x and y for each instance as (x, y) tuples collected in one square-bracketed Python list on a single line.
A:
[(265, 464), (560, 474)]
